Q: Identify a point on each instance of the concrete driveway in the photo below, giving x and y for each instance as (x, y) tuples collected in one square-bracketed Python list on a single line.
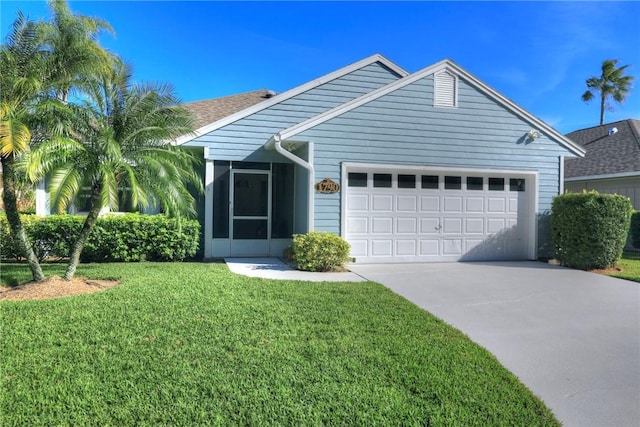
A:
[(572, 337)]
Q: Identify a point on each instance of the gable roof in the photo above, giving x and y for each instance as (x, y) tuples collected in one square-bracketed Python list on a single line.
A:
[(211, 110), (615, 154), (223, 121), (445, 64)]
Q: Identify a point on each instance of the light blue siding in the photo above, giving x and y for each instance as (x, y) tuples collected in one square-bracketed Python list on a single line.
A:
[(243, 139), (404, 128)]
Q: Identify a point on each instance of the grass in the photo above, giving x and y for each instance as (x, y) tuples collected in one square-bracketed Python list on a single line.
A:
[(629, 267), (193, 344)]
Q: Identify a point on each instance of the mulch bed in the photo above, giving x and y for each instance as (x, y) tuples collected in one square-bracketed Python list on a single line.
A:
[(55, 287)]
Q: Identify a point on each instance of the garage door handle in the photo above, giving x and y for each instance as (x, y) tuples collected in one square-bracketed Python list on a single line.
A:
[(438, 228)]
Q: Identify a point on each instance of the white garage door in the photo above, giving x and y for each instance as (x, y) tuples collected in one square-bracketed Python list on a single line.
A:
[(445, 215)]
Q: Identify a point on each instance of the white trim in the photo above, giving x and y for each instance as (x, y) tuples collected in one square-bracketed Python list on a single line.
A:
[(344, 179), (291, 93), (208, 207), (605, 176), (312, 190), (42, 199), (387, 166), (534, 227), (433, 69), (561, 175)]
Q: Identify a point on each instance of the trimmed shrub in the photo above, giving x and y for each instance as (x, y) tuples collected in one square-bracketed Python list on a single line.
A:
[(634, 231), (53, 236), (115, 238), (589, 230), (319, 251)]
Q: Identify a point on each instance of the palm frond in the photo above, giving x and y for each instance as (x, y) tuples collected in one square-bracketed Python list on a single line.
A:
[(64, 185), (14, 137)]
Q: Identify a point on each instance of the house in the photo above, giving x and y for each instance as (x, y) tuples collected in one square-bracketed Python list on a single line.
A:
[(611, 163), (429, 166)]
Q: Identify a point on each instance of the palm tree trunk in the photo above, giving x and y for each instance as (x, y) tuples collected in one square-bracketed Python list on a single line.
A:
[(13, 217), (603, 99), (89, 222)]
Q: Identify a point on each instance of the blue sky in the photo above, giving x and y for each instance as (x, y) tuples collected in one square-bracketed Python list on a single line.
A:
[(537, 54)]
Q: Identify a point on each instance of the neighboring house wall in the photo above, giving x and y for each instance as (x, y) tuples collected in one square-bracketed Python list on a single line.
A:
[(404, 127), (629, 187), (243, 140)]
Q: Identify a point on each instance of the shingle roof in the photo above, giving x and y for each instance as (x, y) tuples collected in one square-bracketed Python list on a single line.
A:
[(606, 154), (211, 110)]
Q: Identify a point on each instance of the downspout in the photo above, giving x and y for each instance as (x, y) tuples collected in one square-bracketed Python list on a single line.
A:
[(276, 142)]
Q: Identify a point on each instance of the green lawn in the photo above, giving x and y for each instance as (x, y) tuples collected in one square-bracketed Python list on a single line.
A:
[(629, 267), (193, 344)]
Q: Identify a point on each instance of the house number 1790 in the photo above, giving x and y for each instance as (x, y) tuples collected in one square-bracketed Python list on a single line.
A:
[(327, 186)]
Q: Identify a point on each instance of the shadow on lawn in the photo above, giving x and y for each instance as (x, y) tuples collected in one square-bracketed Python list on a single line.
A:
[(13, 274)]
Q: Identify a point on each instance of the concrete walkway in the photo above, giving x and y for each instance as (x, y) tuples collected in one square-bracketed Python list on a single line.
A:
[(572, 337), (273, 268)]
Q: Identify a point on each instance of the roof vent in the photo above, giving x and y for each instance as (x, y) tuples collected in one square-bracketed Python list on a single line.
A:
[(613, 131), (269, 94)]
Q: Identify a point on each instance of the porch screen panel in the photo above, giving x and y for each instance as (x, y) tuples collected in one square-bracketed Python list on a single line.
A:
[(282, 182), (221, 199)]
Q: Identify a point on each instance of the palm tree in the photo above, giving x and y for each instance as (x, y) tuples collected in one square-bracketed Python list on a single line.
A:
[(22, 81), (75, 52), (120, 140), (612, 83)]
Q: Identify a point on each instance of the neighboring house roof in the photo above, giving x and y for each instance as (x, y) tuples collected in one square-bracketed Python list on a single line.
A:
[(212, 110), (219, 122), (609, 154), (450, 66)]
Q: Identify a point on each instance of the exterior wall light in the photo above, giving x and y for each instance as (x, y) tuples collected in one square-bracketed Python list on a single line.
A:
[(533, 134)]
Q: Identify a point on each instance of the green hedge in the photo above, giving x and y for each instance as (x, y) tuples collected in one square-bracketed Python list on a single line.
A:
[(115, 238), (319, 251), (634, 231), (589, 230)]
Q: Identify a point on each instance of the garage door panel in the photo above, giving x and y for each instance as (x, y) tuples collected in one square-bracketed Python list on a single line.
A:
[(452, 226), (406, 247), (359, 247), (452, 247), (381, 225), (474, 205), (430, 225), (406, 225), (513, 205), (381, 247), (474, 225), (495, 225), (358, 203), (430, 247), (382, 203), (358, 225), (430, 204), (467, 222), (452, 204), (496, 205), (407, 203), (475, 246)]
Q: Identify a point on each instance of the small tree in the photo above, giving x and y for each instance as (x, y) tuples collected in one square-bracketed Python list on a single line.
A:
[(590, 230), (120, 140), (22, 81), (612, 83)]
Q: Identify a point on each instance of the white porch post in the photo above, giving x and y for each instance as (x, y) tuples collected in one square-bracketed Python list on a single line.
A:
[(208, 205), (561, 175), (42, 199), (312, 190)]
